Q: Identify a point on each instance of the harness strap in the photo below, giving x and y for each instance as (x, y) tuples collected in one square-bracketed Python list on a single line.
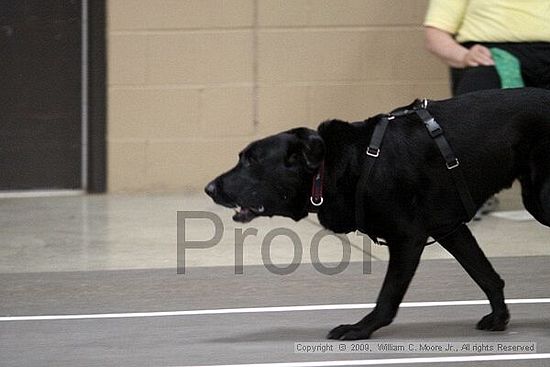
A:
[(436, 132), (373, 151), (451, 161)]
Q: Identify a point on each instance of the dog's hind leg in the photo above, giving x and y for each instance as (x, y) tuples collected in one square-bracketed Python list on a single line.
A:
[(535, 182), (545, 202), (404, 258), (535, 191), (464, 247)]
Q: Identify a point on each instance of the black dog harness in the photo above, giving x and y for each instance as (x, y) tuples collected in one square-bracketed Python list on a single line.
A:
[(436, 132)]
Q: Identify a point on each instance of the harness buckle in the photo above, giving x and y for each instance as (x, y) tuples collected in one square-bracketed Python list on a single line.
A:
[(434, 129), (373, 152), (453, 164)]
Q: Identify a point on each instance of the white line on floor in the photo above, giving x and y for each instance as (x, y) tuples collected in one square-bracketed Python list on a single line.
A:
[(515, 215), (39, 193), (378, 362), (262, 309)]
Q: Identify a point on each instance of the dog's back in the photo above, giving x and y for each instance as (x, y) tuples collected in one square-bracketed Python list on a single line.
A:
[(502, 135)]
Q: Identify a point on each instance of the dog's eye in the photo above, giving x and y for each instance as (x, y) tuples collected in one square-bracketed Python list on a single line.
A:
[(248, 161), (291, 160), (253, 161)]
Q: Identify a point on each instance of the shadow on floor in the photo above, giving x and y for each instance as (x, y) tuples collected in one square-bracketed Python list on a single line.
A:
[(462, 329)]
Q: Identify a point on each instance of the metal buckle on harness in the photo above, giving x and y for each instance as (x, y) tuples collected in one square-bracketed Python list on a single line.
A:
[(452, 165), (373, 152)]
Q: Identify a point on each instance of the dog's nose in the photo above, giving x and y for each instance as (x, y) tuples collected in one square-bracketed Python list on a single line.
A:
[(210, 189)]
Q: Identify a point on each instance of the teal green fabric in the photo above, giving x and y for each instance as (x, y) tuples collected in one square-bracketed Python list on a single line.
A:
[(508, 68)]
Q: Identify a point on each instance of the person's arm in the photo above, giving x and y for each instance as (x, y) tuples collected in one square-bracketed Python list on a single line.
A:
[(443, 45)]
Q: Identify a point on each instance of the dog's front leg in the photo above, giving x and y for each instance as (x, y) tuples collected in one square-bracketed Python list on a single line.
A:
[(404, 258)]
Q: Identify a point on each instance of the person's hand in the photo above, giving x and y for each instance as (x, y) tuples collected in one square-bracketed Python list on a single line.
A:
[(478, 55)]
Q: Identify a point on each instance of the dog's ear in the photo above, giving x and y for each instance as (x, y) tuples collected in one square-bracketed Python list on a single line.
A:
[(310, 147), (314, 151)]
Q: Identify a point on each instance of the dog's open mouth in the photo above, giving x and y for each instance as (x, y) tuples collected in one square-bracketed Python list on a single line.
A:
[(243, 213), (246, 214)]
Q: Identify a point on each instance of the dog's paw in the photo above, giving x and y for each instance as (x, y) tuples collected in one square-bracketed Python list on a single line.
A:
[(349, 332), (494, 322)]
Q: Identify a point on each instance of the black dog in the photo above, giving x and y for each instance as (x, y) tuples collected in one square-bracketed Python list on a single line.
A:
[(498, 136)]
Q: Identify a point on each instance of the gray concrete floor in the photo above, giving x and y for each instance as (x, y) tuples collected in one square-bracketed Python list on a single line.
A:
[(117, 254)]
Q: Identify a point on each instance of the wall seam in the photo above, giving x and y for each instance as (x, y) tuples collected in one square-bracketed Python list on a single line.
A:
[(255, 70)]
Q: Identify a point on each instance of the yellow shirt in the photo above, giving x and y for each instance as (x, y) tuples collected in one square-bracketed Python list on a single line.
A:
[(492, 20)]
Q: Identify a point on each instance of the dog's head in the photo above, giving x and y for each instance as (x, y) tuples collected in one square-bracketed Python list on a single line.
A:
[(272, 177)]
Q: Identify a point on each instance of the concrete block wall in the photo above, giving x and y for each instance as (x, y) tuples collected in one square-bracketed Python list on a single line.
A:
[(191, 82)]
